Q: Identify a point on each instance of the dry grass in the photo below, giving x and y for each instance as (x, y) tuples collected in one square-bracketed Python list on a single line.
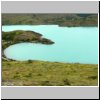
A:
[(40, 73)]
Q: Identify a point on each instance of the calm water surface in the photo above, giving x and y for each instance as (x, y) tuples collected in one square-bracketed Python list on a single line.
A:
[(72, 44)]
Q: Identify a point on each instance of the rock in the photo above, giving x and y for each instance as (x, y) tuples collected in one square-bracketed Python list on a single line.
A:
[(46, 41)]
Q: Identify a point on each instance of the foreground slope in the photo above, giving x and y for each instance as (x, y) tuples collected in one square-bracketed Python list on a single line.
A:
[(43, 73)]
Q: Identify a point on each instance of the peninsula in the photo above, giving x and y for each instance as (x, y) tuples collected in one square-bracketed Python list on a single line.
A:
[(18, 36)]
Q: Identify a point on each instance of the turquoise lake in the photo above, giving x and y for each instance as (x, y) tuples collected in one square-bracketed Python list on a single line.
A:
[(72, 44)]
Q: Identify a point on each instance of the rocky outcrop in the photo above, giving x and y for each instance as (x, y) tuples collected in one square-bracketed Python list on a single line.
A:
[(46, 41)]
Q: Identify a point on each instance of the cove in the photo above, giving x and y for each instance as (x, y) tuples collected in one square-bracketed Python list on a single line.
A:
[(72, 44)]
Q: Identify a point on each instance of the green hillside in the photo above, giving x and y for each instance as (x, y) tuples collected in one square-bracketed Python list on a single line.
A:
[(43, 73), (60, 19)]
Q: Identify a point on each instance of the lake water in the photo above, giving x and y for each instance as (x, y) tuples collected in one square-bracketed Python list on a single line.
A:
[(72, 44)]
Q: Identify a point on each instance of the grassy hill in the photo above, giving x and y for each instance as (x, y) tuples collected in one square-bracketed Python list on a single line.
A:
[(43, 73), (60, 19)]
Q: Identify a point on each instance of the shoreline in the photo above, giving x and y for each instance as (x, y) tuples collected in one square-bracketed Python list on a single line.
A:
[(20, 36), (51, 25), (9, 59)]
